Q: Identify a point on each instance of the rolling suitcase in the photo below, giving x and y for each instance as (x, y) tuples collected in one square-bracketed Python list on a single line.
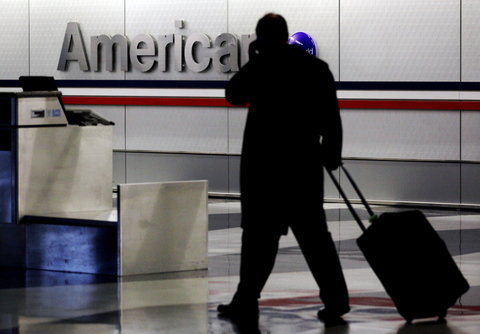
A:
[(410, 259)]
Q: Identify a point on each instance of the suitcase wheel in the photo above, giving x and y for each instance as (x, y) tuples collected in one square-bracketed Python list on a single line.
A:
[(441, 317)]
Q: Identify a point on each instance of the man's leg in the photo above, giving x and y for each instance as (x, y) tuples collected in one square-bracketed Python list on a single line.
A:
[(259, 250), (321, 255)]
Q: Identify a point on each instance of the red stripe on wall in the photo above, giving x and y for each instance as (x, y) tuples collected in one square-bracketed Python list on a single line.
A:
[(470, 105), (410, 104), (221, 102), (146, 101)]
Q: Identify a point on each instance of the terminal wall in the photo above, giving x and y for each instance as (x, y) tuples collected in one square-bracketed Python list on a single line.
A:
[(397, 155)]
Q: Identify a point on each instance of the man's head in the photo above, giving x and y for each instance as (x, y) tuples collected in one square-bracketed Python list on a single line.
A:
[(272, 29)]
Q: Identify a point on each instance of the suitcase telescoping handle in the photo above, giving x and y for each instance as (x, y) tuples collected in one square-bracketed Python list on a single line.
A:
[(347, 201)]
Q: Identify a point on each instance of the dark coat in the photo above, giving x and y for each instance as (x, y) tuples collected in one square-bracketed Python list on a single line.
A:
[(293, 128)]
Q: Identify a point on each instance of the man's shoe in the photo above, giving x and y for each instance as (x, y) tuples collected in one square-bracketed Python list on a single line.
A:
[(245, 318), (332, 318), (238, 311)]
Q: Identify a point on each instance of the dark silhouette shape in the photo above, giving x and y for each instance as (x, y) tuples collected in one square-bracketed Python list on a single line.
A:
[(293, 129), (413, 263)]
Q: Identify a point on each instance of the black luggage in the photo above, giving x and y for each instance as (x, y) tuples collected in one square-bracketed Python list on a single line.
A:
[(410, 259)]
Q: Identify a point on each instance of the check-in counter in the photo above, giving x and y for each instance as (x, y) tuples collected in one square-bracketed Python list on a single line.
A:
[(51, 162), (56, 208)]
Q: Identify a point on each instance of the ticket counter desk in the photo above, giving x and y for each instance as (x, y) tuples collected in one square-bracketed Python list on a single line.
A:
[(57, 211)]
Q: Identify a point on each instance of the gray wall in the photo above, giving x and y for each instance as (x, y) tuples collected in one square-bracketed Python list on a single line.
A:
[(398, 155)]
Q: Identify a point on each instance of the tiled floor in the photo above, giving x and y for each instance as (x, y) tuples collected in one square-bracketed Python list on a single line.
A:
[(49, 302)]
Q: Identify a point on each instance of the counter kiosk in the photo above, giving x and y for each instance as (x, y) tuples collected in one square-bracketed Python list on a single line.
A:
[(51, 165), (52, 162), (56, 209)]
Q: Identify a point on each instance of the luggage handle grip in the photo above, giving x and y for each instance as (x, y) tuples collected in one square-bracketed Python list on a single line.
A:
[(347, 201)]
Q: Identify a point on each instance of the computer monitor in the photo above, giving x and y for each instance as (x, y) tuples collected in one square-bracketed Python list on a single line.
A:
[(38, 83)]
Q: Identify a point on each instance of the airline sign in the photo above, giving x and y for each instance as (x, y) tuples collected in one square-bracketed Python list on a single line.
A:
[(145, 53)]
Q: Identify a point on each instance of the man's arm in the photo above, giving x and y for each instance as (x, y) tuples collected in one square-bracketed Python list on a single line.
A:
[(332, 137), (237, 91)]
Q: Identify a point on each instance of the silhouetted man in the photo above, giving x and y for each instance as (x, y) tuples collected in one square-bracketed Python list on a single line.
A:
[(293, 129)]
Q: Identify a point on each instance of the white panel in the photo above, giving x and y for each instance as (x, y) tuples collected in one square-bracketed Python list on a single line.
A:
[(64, 169), (157, 17), (471, 135), (470, 40), (191, 129), (236, 124), (48, 24), (14, 39), (406, 40), (402, 95), (401, 134), (471, 95), (119, 168), (319, 18), (163, 227), (116, 114)]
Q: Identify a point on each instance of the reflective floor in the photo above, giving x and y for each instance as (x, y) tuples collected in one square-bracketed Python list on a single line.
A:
[(51, 302)]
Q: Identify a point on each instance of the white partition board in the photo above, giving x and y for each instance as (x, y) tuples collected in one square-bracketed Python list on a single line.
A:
[(163, 227), (64, 169)]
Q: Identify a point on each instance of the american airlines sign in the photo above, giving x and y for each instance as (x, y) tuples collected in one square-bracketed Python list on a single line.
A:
[(146, 53)]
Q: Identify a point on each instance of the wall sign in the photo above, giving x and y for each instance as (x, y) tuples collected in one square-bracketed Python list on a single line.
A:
[(305, 41), (146, 53)]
